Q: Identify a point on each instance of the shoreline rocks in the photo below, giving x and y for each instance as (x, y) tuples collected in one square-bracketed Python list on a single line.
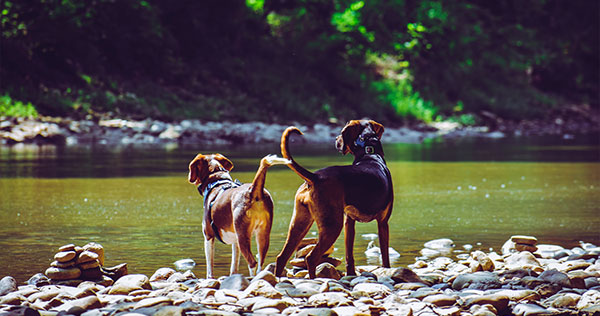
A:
[(105, 130), (516, 283)]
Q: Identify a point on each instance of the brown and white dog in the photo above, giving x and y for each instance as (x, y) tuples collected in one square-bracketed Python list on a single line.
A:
[(233, 212), (340, 195)]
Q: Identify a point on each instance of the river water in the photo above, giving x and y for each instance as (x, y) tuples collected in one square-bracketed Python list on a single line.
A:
[(137, 203)]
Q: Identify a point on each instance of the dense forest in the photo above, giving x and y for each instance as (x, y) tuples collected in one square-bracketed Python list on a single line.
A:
[(304, 60)]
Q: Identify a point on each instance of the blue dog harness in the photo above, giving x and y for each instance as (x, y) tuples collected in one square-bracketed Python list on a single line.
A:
[(224, 184), (361, 143)]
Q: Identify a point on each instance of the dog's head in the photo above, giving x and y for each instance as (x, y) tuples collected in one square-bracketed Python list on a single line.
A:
[(360, 136), (204, 165)]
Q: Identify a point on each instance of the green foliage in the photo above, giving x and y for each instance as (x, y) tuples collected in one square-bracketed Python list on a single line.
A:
[(309, 60), (14, 108)]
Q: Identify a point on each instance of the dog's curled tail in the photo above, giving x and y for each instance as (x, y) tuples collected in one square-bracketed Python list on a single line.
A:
[(285, 151), (258, 184)]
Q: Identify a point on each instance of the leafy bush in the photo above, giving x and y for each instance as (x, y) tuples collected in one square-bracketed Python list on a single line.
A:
[(14, 108)]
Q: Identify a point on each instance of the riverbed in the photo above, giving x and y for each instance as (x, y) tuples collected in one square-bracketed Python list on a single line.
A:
[(136, 202)]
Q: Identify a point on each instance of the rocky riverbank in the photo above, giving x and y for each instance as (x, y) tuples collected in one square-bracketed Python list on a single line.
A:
[(525, 279), (103, 129)]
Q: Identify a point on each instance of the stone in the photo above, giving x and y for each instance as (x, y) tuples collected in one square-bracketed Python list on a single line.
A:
[(38, 280), (234, 282), (556, 277), (589, 299), (478, 281), (350, 311), (184, 264), (207, 284), (508, 247), (317, 312), (12, 298), (130, 283), (87, 256), (153, 301), (525, 247), (329, 299), (327, 270), (8, 284), (115, 272), (530, 309), (89, 265), (65, 256), (566, 300), (499, 301), (69, 247), (262, 288), (267, 276), (262, 303), (85, 303), (523, 260), (92, 274), (440, 300), (63, 265), (484, 263), (162, 274), (63, 274), (97, 249), (374, 290), (405, 275), (521, 239), (440, 244)]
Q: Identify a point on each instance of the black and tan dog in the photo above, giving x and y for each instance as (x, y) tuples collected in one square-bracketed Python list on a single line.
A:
[(340, 195), (233, 212)]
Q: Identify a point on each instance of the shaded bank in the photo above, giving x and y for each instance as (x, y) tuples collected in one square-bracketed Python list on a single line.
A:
[(110, 131)]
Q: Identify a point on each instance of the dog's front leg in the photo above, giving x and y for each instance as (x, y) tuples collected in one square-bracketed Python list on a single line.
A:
[(349, 233), (235, 258), (209, 252)]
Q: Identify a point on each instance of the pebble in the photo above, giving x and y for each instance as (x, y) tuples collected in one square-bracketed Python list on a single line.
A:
[(519, 283)]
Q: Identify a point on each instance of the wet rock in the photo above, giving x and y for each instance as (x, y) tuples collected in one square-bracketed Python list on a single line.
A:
[(556, 277), (477, 280), (65, 256), (530, 309), (19, 311), (327, 270), (329, 299), (63, 274), (317, 312), (7, 285), (523, 260), (161, 274), (481, 262), (38, 280), (87, 256), (130, 283), (374, 290), (262, 288), (267, 276), (92, 274), (234, 282), (115, 272), (184, 264), (589, 299), (563, 300), (499, 301), (405, 275), (440, 300), (526, 240)]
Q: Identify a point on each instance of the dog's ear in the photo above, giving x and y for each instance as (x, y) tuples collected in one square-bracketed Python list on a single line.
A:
[(226, 163), (345, 141), (377, 128), (198, 169)]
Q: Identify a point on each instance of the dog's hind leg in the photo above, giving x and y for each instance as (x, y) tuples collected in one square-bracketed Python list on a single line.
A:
[(235, 258), (384, 241), (209, 252), (299, 226), (262, 243), (349, 233), (329, 227)]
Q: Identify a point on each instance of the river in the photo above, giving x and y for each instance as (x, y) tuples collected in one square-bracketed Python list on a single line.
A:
[(137, 203)]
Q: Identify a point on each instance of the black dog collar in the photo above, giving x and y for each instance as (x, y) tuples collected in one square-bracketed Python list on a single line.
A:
[(361, 143)]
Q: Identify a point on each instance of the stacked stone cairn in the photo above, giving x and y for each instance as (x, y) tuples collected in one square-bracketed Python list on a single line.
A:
[(73, 265), (462, 281)]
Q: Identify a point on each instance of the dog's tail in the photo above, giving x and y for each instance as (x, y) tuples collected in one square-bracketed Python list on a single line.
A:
[(258, 184), (285, 151)]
